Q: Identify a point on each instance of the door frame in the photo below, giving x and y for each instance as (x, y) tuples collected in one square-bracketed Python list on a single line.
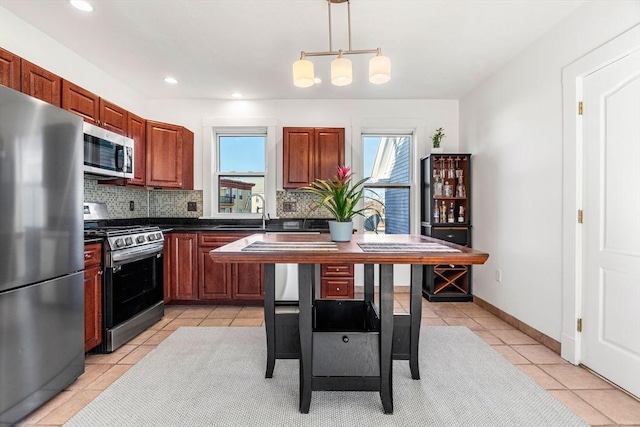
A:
[(572, 182)]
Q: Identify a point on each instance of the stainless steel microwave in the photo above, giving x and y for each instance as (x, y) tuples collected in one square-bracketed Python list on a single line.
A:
[(107, 154)]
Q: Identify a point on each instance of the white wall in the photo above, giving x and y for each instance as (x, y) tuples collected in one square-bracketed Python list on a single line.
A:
[(513, 124), (424, 116), (35, 46)]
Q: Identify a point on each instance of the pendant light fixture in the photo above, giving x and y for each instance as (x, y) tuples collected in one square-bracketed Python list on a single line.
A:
[(341, 69)]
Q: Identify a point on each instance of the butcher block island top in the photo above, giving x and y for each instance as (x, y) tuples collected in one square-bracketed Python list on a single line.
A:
[(362, 249)]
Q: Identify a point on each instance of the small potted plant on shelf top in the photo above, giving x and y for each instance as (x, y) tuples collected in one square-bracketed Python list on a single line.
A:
[(340, 196), (437, 139)]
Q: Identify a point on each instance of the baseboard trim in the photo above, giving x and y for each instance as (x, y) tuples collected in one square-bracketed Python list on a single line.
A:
[(543, 339)]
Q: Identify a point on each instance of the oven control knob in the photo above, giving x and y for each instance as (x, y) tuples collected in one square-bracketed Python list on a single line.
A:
[(158, 236), (140, 239), (151, 237), (119, 243), (128, 241)]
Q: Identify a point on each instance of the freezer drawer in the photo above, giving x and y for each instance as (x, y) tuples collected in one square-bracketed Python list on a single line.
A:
[(41, 343)]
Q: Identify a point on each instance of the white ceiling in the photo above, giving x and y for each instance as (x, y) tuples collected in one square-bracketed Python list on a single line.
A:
[(439, 49)]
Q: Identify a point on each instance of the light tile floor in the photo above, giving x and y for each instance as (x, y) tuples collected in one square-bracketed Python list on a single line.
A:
[(590, 397)]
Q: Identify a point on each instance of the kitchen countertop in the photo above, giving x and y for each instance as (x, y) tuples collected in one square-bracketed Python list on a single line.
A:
[(186, 225)]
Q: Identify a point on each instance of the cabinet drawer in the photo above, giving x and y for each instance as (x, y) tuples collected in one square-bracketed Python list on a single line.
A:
[(457, 235), (92, 255), (346, 354), (342, 270), (337, 288), (219, 239)]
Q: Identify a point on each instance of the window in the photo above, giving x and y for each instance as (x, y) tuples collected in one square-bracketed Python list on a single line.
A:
[(387, 161), (240, 173)]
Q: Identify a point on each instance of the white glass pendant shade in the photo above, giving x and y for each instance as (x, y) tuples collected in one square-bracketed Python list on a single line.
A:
[(303, 73), (379, 69), (341, 72)]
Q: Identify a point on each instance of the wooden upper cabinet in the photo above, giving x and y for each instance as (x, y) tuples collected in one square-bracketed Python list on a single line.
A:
[(137, 130), (40, 83), (311, 153), (93, 109), (329, 152), (298, 157), (81, 102), (113, 118), (9, 69), (169, 156)]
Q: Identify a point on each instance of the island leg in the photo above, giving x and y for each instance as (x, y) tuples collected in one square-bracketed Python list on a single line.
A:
[(386, 337), (270, 316), (305, 295), (368, 282), (415, 318)]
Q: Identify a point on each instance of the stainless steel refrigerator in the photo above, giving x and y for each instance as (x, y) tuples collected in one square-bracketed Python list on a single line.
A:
[(41, 253)]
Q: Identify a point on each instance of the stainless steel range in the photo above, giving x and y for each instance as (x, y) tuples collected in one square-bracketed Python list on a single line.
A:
[(133, 297)]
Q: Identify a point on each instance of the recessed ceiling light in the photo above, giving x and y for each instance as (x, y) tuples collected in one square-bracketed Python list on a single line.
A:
[(82, 5), (170, 80), (236, 95)]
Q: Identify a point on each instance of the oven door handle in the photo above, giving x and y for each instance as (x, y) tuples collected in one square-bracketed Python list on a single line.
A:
[(128, 256)]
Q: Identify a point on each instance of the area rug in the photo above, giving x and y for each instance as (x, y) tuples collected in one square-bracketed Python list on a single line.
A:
[(215, 377)]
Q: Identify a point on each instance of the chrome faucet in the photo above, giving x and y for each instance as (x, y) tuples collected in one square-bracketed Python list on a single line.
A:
[(264, 206)]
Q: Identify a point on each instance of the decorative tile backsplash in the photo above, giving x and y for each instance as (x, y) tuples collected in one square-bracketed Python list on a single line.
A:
[(118, 199), (174, 203), (303, 204), (146, 203)]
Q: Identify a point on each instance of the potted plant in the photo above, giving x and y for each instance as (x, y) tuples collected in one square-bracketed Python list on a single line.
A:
[(437, 139), (340, 197)]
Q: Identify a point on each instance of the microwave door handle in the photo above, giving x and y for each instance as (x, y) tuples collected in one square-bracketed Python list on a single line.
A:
[(119, 158)]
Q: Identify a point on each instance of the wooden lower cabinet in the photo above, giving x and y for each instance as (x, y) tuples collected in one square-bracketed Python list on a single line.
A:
[(92, 296), (336, 281), (214, 279), (247, 282), (191, 274), (181, 273)]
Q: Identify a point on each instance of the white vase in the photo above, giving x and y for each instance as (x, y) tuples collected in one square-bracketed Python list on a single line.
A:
[(437, 150), (340, 231)]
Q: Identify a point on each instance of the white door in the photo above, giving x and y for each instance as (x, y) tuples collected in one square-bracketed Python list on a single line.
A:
[(611, 269)]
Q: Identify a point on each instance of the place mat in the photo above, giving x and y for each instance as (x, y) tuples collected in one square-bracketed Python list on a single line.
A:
[(290, 246), (405, 247)]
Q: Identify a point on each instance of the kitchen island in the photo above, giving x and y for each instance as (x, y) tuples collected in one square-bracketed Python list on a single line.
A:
[(336, 351)]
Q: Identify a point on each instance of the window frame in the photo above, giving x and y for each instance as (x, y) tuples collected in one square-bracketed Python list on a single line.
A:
[(248, 131), (410, 185)]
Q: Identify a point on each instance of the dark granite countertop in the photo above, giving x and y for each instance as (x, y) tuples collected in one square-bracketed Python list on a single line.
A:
[(225, 225)]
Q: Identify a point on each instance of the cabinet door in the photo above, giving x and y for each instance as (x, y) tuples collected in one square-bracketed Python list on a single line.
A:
[(298, 145), (113, 118), (40, 83), (329, 152), (187, 159), (165, 152), (183, 267), (247, 282), (137, 131), (9, 69), (81, 102), (92, 307), (214, 278)]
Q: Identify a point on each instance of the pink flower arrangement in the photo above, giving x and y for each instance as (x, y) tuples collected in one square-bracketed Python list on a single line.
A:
[(338, 195)]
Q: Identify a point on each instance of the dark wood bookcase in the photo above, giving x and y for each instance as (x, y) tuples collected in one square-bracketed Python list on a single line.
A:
[(446, 214)]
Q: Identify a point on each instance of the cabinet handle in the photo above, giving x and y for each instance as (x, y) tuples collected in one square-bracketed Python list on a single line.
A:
[(450, 236), (87, 255), (338, 289), (345, 339)]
